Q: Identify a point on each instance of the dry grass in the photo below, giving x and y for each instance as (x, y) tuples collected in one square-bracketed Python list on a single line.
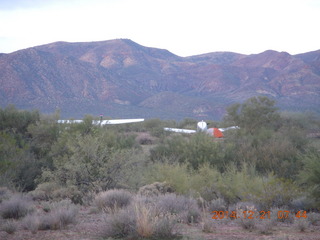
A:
[(145, 220)]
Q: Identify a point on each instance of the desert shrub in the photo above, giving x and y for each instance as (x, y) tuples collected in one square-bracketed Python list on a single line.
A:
[(310, 176), (91, 163), (186, 208), (5, 194), (195, 151), (52, 191), (246, 223), (204, 182), (58, 217), (112, 200), (141, 219), (155, 127), (247, 185), (243, 221), (254, 114), (44, 191), (207, 225), (155, 189), (301, 224), (281, 215), (217, 205), (48, 222), (120, 224), (9, 227), (234, 184), (314, 218), (31, 223), (175, 175), (145, 139), (64, 216), (69, 192), (16, 207), (266, 226), (154, 224), (164, 227), (303, 202), (276, 193)]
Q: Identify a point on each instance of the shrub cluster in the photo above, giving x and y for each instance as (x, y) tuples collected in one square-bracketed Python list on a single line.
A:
[(58, 216), (112, 200), (150, 217), (16, 207)]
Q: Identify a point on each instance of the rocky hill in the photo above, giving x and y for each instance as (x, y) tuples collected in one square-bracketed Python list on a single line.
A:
[(120, 78)]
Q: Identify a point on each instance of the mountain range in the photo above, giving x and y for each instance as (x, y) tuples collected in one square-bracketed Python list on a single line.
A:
[(122, 79)]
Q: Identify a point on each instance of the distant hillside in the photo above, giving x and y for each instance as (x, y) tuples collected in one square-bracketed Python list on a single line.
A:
[(120, 78)]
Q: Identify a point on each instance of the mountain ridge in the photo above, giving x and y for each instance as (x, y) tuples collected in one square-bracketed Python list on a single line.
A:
[(122, 78)]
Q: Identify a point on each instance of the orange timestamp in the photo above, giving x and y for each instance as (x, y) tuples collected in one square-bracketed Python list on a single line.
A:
[(281, 214)]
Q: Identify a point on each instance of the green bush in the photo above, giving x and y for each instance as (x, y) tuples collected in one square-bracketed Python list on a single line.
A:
[(91, 163), (194, 150), (175, 175), (204, 182), (310, 175)]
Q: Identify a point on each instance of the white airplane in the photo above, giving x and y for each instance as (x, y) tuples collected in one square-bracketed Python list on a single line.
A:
[(203, 127), (105, 122)]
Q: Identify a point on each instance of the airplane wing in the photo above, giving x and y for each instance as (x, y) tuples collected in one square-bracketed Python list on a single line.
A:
[(120, 121), (228, 128), (179, 130), (70, 121), (104, 122)]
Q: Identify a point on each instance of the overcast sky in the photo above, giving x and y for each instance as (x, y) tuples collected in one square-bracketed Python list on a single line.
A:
[(184, 27)]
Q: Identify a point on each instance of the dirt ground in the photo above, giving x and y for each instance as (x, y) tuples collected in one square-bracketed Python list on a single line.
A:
[(89, 226)]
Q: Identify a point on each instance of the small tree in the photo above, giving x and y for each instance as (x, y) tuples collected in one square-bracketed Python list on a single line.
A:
[(254, 114), (310, 175)]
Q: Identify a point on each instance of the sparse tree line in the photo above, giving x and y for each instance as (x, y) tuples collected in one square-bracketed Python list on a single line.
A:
[(269, 162)]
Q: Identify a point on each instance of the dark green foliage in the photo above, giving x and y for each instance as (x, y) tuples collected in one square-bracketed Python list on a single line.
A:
[(91, 162), (18, 164), (310, 175), (44, 133), (194, 150), (254, 114), (15, 121), (18, 167)]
